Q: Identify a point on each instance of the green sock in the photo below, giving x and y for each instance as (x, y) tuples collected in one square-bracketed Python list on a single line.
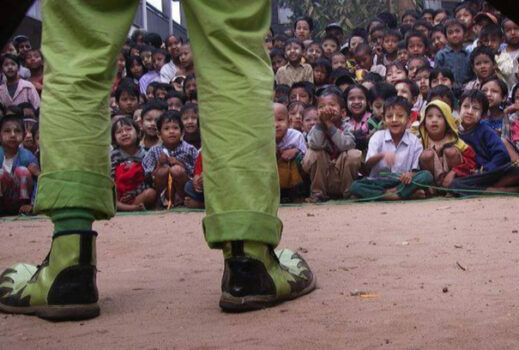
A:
[(72, 219)]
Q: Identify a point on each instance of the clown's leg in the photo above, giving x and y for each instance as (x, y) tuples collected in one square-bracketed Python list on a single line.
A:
[(241, 184), (80, 43)]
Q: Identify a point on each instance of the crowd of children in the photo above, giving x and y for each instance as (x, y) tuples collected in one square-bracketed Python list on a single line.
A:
[(402, 108)]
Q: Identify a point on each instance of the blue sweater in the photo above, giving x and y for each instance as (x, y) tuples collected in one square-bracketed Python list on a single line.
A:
[(490, 151)]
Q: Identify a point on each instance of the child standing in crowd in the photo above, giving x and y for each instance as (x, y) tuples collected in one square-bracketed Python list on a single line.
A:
[(395, 71), (15, 90), (321, 72), (34, 62), (453, 56), (290, 150), (511, 31), (189, 117), (394, 151), (277, 57), (294, 71), (438, 39), (133, 190), (445, 155), (175, 101), (331, 160), (492, 36), (185, 58), (158, 59), (313, 52), (18, 168), (135, 68), (422, 80), (170, 164), (127, 97), (483, 63), (390, 45), (169, 70), (441, 76)]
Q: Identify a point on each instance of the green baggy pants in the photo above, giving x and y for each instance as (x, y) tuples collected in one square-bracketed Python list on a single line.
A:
[(80, 43), (376, 187)]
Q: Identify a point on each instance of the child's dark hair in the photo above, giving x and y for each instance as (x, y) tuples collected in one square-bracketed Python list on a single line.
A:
[(389, 19), (307, 109), (334, 91), (189, 77), (175, 94), (129, 64), (422, 23), (303, 84), (18, 118), (350, 89), (438, 28), (307, 20), (446, 72), (170, 116), (426, 68), (425, 11), (275, 52), (294, 41), (416, 34), (438, 11), (373, 77), (164, 86), (465, 6), (381, 90), (125, 121), (324, 62), (412, 13), (423, 59), (514, 90), (160, 52), (11, 57), (393, 33), (401, 46), (501, 83), (154, 105), (404, 28), (363, 48), (282, 89), (398, 65), (359, 32), (482, 50), (451, 22), (126, 84), (173, 35), (153, 39), (378, 28), (189, 107), (475, 95), (441, 91), (332, 38), (28, 105), (395, 101), (490, 30), (413, 87)]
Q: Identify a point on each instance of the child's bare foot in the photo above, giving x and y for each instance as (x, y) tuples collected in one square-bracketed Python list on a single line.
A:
[(193, 204), (418, 194), (25, 209)]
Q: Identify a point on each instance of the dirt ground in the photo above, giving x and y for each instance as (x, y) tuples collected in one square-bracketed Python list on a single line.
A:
[(439, 275)]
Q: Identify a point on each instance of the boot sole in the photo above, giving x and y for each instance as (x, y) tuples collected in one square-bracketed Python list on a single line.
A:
[(56, 312), (230, 303)]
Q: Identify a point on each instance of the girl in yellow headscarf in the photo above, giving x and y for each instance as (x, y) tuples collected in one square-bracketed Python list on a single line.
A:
[(445, 154)]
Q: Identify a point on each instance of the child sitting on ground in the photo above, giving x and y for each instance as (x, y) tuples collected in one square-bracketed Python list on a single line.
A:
[(189, 115), (356, 97), (445, 155), (493, 161), (331, 160), (394, 151), (194, 188), (149, 115), (170, 164), (377, 98), (310, 118), (18, 167), (133, 190), (290, 150)]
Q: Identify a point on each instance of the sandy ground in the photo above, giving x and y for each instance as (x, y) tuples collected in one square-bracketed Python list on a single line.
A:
[(441, 275)]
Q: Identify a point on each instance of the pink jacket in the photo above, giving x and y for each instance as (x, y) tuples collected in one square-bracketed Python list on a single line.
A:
[(25, 92)]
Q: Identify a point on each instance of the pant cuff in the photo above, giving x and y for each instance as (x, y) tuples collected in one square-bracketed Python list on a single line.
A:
[(242, 225), (76, 189)]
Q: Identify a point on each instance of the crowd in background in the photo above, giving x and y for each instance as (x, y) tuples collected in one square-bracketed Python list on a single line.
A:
[(412, 107)]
